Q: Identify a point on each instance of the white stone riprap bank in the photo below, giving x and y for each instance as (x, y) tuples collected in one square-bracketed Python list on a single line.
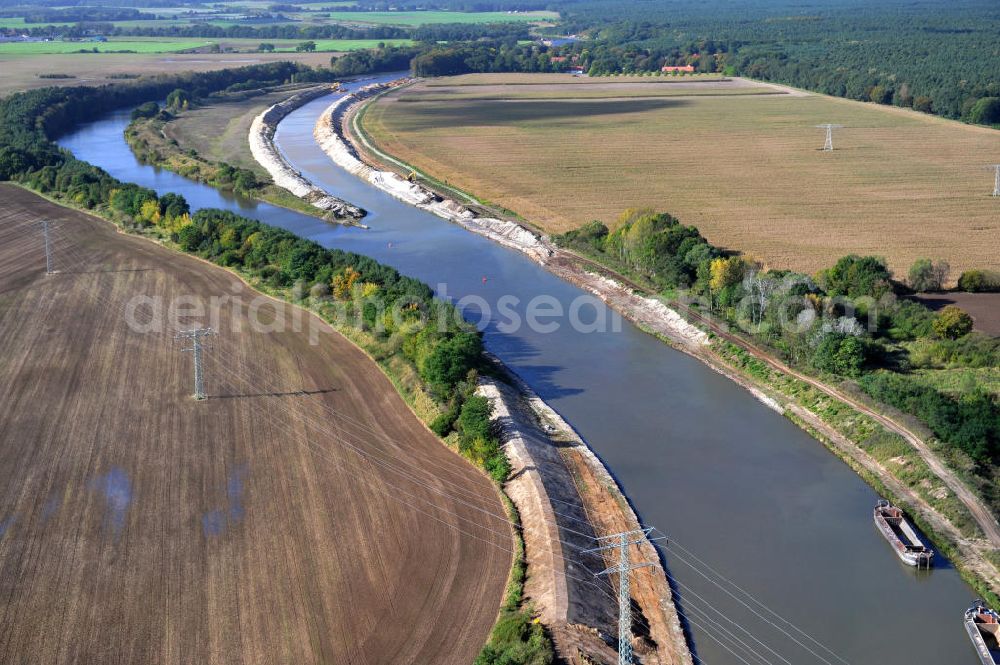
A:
[(284, 175), (647, 312), (328, 133)]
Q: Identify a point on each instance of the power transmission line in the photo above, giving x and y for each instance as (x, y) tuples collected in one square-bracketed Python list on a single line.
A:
[(365, 454), (503, 518), (48, 247), (621, 542), (708, 633), (196, 346), (445, 510), (828, 146)]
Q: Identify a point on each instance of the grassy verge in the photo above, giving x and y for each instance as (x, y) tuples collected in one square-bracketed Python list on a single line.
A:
[(148, 140), (517, 637), (889, 449)]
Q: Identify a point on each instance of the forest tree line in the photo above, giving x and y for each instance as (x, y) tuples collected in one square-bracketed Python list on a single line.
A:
[(932, 58)]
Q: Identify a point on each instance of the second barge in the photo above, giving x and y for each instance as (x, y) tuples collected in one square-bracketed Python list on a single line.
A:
[(983, 626)]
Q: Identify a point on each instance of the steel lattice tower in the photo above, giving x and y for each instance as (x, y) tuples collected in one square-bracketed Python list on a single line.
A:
[(196, 346), (621, 542), (828, 146), (48, 248), (996, 180)]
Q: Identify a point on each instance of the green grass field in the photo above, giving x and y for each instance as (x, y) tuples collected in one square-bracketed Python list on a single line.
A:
[(264, 4), (962, 380), (324, 45), (143, 46), (173, 17), (7, 22)]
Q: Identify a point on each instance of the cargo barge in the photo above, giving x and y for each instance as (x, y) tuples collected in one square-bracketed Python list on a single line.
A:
[(983, 626), (902, 536)]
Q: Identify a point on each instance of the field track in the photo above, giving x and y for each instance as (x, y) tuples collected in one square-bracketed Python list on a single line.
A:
[(140, 526)]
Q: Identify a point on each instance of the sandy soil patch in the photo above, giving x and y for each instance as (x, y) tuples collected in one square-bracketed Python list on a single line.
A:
[(566, 497)]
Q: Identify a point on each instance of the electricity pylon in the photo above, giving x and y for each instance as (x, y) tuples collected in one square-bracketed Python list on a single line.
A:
[(829, 135), (621, 542), (196, 346), (996, 179), (48, 248)]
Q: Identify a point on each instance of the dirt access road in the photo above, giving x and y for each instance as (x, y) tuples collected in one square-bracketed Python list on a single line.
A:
[(980, 512), (300, 514)]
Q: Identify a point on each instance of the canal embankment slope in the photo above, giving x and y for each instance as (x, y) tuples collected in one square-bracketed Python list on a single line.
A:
[(944, 506), (262, 147), (563, 492), (566, 499), (329, 134)]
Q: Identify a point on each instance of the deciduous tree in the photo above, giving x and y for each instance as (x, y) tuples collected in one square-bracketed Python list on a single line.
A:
[(927, 275), (953, 322)]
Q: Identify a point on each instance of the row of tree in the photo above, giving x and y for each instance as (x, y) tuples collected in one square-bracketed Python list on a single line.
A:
[(91, 22), (445, 355), (935, 60), (851, 320)]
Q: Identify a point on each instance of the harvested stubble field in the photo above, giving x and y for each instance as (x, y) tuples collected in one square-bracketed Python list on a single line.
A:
[(140, 526), (747, 169), (22, 72), (517, 87)]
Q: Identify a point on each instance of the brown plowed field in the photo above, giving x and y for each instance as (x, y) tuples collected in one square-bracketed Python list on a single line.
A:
[(140, 526), (983, 307)]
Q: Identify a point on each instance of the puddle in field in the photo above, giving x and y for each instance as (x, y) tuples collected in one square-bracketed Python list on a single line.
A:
[(117, 491), (216, 521)]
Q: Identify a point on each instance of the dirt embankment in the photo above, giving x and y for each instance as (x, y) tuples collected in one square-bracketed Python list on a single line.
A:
[(566, 498), (686, 329), (330, 135), (284, 175), (300, 514)]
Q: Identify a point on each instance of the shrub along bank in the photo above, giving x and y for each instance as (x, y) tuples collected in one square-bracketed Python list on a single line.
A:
[(431, 355), (844, 324), (147, 136)]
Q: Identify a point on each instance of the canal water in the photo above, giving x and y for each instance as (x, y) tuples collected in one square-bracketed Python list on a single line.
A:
[(774, 551)]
